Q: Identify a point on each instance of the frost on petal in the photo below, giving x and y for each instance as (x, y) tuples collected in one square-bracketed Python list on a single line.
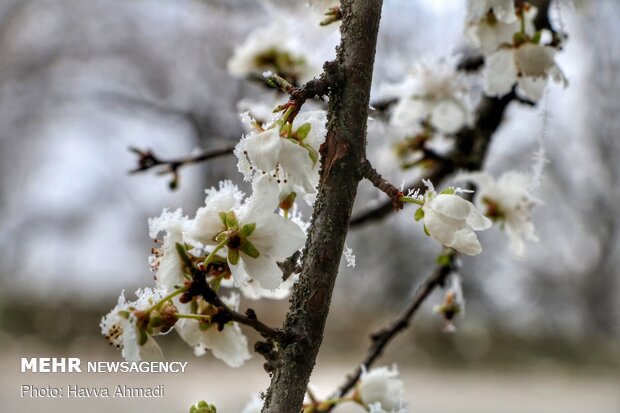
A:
[(166, 261), (451, 206), (500, 73), (263, 202)]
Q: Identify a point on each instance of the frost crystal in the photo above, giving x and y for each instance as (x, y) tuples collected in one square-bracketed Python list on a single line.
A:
[(349, 256)]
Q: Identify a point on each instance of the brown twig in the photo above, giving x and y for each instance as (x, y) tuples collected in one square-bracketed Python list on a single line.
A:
[(382, 338), (382, 184), (200, 287), (147, 160)]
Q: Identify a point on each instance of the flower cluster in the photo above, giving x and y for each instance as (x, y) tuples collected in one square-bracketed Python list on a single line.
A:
[(231, 241), (514, 51), (286, 151), (433, 94)]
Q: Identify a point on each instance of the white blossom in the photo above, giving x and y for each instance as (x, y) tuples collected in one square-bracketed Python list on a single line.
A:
[(433, 93), (276, 47), (452, 220), (508, 201), (292, 158), (229, 345), (166, 261), (120, 327), (489, 33), (381, 390), (256, 240), (504, 10), (529, 65)]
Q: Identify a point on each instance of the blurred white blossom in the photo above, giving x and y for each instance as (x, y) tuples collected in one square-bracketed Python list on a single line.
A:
[(433, 93), (507, 200), (529, 65), (381, 391)]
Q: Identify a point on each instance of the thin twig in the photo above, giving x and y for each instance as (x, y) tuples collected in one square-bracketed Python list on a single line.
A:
[(382, 338), (147, 160), (382, 184), (200, 286)]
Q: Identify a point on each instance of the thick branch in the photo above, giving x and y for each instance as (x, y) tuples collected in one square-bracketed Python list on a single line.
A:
[(342, 155)]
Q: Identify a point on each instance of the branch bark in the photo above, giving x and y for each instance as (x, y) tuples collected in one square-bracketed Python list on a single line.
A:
[(342, 156)]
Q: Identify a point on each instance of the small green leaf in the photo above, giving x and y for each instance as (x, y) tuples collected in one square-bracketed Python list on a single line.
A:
[(448, 191), (247, 229), (143, 337), (419, 214), (249, 248), (303, 131), (222, 217), (233, 256), (426, 231), (231, 220), (537, 36), (314, 155), (443, 260)]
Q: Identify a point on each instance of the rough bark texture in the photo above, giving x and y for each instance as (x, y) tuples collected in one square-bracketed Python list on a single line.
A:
[(342, 156)]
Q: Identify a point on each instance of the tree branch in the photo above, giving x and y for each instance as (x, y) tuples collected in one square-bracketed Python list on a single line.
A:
[(342, 155), (200, 287), (382, 184), (147, 160)]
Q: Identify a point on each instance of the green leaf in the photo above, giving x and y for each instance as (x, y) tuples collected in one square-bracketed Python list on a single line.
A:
[(247, 229), (314, 155), (233, 256), (231, 220), (537, 36), (303, 131), (222, 217), (448, 191), (143, 337), (419, 214), (249, 248), (426, 231)]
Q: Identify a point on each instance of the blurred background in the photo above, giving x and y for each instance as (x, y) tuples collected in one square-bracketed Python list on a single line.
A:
[(81, 81)]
